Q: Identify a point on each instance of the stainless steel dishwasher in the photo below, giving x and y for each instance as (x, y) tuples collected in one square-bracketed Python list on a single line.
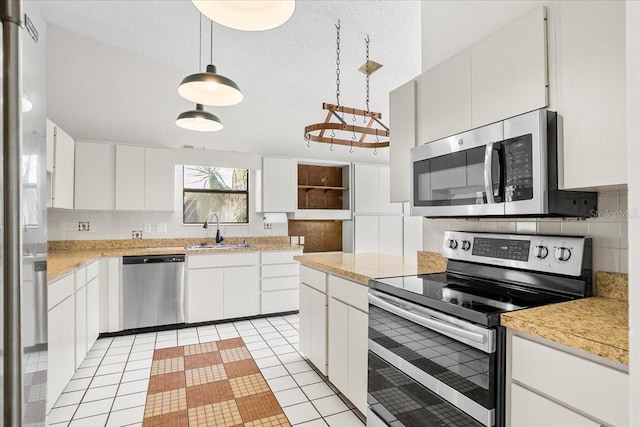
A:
[(152, 290)]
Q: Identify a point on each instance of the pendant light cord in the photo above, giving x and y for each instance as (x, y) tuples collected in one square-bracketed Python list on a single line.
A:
[(200, 45), (211, 30)]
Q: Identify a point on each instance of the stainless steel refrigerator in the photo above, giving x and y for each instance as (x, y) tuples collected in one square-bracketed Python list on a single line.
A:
[(23, 212)]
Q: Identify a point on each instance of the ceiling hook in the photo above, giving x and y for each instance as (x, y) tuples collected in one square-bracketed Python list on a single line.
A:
[(331, 146), (351, 149), (338, 26), (333, 134), (353, 137), (354, 117), (375, 151), (308, 140)]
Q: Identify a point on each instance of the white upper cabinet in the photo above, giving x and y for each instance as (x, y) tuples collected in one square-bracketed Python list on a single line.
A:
[(444, 99), (50, 138), (372, 193), (130, 167), (62, 179), (159, 179), (278, 185), (402, 119), (509, 70), (592, 93), (94, 177)]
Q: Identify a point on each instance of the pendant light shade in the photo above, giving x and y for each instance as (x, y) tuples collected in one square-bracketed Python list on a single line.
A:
[(210, 88), (256, 15), (199, 120)]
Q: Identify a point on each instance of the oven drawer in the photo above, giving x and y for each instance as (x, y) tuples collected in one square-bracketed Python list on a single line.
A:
[(396, 399)]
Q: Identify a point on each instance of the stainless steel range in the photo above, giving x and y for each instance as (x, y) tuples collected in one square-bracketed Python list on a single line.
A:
[(436, 349)]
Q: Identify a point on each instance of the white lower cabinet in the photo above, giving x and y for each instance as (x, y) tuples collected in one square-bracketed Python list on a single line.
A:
[(80, 325), (93, 312), (559, 386), (313, 317), (280, 275), (61, 349), (222, 286), (347, 340)]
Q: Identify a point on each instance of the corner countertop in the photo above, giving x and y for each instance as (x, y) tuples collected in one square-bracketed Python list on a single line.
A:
[(363, 267), (62, 259), (598, 325)]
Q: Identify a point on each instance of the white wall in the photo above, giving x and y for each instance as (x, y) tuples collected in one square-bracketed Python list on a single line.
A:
[(609, 230), (633, 147), (63, 224), (102, 93)]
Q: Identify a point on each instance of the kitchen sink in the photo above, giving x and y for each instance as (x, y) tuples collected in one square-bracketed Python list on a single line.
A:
[(218, 246)]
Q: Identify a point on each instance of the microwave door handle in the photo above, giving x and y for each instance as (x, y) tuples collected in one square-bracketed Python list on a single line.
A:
[(488, 172), (499, 148), (428, 322)]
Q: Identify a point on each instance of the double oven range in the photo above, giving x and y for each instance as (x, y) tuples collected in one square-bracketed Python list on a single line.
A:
[(436, 347)]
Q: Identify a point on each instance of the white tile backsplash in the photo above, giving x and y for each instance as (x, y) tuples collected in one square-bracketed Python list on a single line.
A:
[(63, 224), (608, 230)]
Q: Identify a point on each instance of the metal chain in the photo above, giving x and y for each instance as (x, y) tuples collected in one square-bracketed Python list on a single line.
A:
[(367, 72), (338, 63)]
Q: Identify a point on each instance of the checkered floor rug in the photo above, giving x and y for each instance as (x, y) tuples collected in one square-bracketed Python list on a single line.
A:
[(213, 384)]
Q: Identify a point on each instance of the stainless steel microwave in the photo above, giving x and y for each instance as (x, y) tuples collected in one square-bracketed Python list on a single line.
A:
[(508, 168)]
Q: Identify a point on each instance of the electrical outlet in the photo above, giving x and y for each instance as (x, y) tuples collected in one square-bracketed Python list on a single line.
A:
[(294, 240), (136, 234), (161, 228), (147, 228), (302, 240), (83, 226)]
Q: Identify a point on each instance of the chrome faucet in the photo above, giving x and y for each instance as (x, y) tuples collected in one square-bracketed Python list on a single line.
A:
[(219, 238)]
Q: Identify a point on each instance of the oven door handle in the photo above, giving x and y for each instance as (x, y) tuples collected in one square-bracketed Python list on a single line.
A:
[(448, 329)]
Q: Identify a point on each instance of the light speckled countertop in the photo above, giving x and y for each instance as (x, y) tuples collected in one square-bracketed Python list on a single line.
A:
[(597, 325), (65, 257), (363, 267)]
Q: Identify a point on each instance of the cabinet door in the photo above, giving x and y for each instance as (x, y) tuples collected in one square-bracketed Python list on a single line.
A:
[(319, 330), (80, 326), (241, 292), (129, 178), (93, 312), (205, 295), (61, 355), (402, 119), (159, 179), (592, 76), (278, 184), (63, 175), (384, 192), (390, 235), (529, 409), (366, 233), (412, 235), (338, 349), (95, 176), (366, 189), (509, 70), (51, 138), (444, 99), (305, 313), (357, 365)]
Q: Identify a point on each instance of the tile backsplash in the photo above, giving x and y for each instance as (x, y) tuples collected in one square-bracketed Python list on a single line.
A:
[(63, 224), (608, 230)]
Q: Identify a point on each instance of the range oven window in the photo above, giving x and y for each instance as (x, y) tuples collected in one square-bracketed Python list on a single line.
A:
[(453, 179), (456, 361)]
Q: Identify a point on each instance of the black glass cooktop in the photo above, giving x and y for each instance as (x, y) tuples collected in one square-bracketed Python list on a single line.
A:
[(476, 300)]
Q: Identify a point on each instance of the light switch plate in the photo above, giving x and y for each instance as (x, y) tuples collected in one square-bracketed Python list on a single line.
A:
[(302, 240), (294, 240), (147, 228), (161, 228)]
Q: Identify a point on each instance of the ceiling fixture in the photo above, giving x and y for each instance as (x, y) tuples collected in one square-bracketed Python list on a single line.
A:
[(199, 120), (342, 133), (256, 15), (210, 88)]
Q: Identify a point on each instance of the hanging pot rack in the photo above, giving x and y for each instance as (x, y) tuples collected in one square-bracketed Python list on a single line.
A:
[(358, 134)]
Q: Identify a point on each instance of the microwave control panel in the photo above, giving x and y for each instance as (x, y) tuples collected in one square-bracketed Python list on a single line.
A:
[(551, 254)]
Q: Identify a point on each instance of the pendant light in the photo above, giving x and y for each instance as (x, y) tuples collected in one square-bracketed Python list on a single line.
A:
[(199, 120), (210, 88), (255, 15)]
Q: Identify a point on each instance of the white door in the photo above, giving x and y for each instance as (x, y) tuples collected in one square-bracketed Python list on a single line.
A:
[(63, 175), (278, 184), (390, 235), (205, 295), (159, 179), (94, 176), (93, 312), (358, 346), (384, 191), (339, 345), (366, 191), (241, 292), (319, 330), (412, 232), (80, 326), (366, 233), (305, 313), (402, 119), (130, 178)]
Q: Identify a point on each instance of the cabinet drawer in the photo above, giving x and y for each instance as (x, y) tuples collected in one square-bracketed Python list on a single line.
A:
[(222, 260), (314, 278), (279, 257), (80, 277), (280, 270), (92, 271), (276, 283), (571, 379), (60, 290), (349, 292), (529, 409), (279, 301)]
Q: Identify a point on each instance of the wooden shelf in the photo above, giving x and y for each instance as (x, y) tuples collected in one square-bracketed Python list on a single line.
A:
[(320, 187)]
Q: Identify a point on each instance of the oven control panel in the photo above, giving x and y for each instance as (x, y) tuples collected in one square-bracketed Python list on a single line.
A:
[(567, 255)]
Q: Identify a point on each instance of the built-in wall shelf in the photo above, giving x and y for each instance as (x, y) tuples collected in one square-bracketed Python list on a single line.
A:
[(319, 187), (322, 187)]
